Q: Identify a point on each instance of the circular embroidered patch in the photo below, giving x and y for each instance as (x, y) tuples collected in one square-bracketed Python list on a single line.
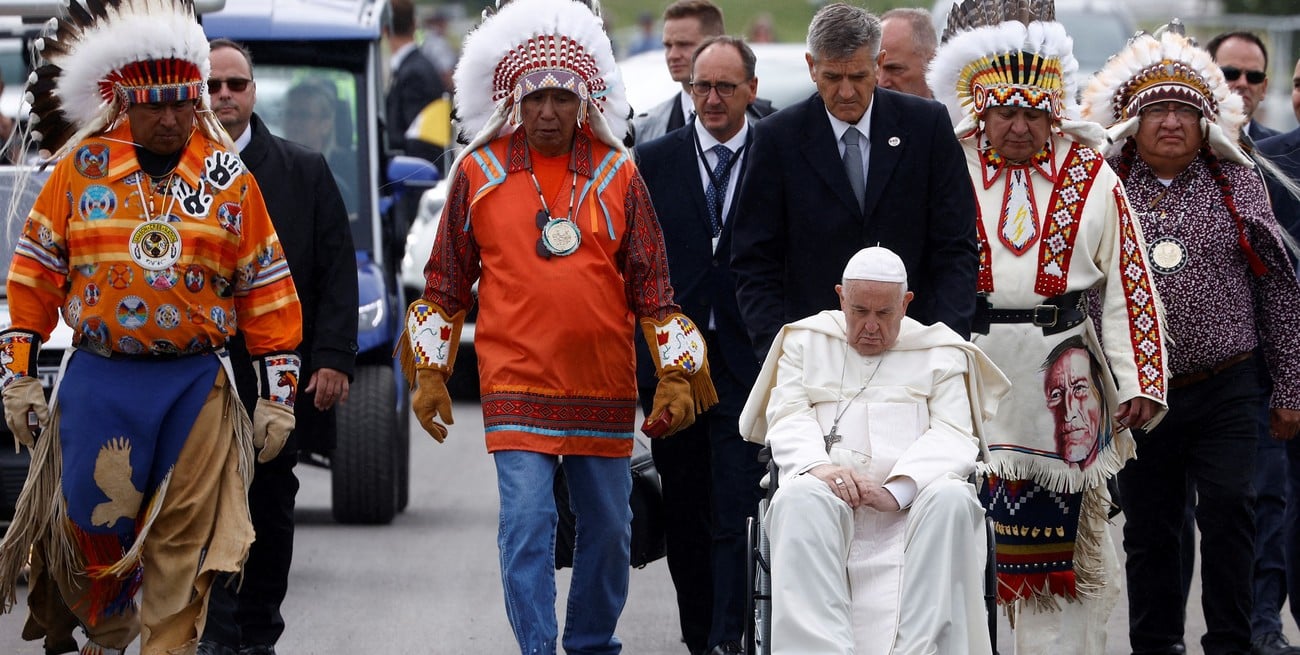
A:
[(155, 245)]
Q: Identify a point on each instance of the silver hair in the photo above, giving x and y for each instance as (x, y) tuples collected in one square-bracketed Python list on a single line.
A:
[(839, 30)]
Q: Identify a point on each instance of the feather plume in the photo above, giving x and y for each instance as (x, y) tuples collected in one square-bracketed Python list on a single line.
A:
[(972, 14), (70, 92)]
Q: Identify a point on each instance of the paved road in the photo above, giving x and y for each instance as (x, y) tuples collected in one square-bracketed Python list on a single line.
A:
[(429, 582)]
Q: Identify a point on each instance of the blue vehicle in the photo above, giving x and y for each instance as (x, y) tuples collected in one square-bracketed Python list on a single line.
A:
[(337, 43)]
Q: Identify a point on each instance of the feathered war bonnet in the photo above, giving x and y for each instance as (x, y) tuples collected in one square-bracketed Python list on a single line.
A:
[(530, 45), (1163, 67), (1007, 53), (103, 56)]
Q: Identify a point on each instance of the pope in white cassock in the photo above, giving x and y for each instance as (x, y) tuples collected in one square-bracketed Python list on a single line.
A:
[(875, 423)]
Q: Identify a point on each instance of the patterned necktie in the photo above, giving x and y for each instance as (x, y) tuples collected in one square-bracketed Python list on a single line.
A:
[(853, 166), (713, 196)]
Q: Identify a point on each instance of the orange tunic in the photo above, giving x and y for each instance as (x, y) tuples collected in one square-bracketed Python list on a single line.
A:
[(554, 336), (229, 272)]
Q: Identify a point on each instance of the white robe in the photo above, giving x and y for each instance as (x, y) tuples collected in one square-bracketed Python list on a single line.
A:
[(1109, 255), (1020, 437), (917, 418)]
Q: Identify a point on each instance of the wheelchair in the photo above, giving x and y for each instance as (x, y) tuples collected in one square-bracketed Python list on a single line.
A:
[(757, 639)]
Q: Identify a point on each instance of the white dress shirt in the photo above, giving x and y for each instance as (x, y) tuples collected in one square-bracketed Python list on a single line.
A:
[(839, 127)]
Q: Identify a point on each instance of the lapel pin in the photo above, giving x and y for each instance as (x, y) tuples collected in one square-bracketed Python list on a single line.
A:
[(894, 141)]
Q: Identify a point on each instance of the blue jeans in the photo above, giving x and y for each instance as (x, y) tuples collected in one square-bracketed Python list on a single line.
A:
[(599, 488)]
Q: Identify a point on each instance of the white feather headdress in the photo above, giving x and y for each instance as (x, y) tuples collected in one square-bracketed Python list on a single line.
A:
[(1007, 53), (1162, 67), (530, 45), (104, 55)]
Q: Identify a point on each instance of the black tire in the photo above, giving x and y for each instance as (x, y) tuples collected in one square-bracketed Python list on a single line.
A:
[(365, 467), (403, 452)]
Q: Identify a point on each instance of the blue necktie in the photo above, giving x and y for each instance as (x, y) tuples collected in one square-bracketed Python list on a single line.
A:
[(713, 196)]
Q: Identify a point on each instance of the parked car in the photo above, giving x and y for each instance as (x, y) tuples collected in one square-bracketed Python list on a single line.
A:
[(14, 461)]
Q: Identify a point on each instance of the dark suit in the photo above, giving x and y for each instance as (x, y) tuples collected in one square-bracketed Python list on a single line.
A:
[(708, 466), (312, 223), (415, 84), (1284, 150), (1258, 131), (798, 222), (1277, 464)]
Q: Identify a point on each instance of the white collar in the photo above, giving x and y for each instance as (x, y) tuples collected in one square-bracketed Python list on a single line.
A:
[(688, 105), (839, 127), (707, 141), (245, 138), (398, 57)]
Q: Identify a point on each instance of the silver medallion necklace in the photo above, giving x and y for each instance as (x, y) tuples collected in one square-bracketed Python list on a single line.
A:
[(1167, 253), (560, 236)]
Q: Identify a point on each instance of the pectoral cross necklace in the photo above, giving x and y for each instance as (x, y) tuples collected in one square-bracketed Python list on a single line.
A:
[(834, 436)]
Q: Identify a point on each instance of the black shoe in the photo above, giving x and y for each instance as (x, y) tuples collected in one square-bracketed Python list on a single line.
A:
[(726, 648), (1273, 644), (213, 648), (257, 650)]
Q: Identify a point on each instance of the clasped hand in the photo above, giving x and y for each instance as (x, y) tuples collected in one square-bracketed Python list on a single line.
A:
[(854, 488)]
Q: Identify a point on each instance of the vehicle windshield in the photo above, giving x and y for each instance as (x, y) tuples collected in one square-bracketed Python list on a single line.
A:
[(11, 230), (316, 106)]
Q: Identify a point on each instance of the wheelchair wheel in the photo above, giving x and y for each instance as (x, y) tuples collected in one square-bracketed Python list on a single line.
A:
[(758, 603), (991, 583)]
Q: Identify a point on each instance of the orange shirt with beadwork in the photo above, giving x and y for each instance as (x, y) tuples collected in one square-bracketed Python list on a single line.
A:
[(554, 335), (214, 267)]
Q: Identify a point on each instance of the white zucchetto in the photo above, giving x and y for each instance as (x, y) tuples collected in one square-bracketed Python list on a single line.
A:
[(876, 264)]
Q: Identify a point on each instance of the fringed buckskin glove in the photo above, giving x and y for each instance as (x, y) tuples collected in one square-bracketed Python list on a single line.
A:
[(277, 389), (427, 355), (24, 399), (682, 363)]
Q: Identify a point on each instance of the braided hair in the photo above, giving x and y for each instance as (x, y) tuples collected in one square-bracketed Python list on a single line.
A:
[(1257, 266)]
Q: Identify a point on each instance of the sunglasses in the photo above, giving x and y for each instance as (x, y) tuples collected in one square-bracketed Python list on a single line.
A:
[(236, 85), (1231, 73)]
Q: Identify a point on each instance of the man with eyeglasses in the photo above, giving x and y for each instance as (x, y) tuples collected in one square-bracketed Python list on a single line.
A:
[(852, 166), (308, 212), (1231, 298), (709, 474), (151, 239), (1244, 61), (687, 23)]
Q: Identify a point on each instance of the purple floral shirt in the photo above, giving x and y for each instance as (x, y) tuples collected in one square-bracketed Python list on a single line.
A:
[(1215, 307)]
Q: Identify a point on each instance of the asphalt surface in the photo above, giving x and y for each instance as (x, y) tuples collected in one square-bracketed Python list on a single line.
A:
[(429, 583)]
